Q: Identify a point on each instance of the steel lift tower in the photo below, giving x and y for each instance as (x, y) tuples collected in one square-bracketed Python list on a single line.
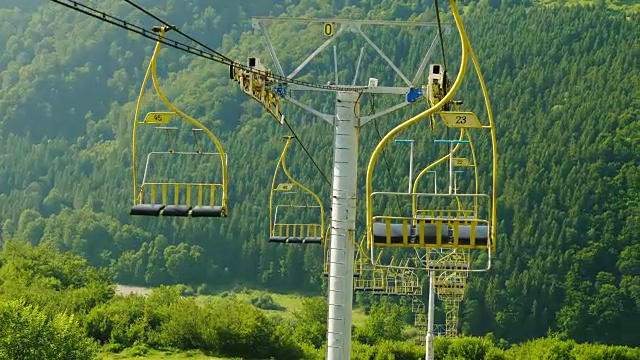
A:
[(346, 121)]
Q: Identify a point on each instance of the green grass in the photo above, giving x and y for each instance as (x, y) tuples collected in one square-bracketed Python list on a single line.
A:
[(290, 303), (158, 355), (358, 317)]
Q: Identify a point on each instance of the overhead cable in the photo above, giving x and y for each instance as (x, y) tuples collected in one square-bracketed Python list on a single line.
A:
[(213, 56)]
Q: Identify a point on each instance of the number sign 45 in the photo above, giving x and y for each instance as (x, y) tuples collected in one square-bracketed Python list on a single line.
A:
[(158, 118)]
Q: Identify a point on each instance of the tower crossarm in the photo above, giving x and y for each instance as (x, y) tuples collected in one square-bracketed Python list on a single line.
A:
[(409, 90)]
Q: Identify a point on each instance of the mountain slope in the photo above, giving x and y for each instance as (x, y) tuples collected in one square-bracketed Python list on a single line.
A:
[(563, 84)]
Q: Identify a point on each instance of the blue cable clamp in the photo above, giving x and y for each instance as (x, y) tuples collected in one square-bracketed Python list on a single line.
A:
[(281, 89), (414, 94)]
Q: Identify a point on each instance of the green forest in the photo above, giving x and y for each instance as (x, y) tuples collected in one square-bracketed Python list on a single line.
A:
[(563, 81)]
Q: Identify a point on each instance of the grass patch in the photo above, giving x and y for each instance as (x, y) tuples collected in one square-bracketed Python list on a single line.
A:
[(358, 317), (158, 355), (286, 304)]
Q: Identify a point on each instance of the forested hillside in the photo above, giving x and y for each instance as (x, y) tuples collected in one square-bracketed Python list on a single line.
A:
[(564, 87)]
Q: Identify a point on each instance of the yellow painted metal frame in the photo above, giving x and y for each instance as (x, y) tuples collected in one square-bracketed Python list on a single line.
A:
[(420, 318), (402, 281), (459, 257), (138, 191), (312, 228), (420, 223), (467, 52), (450, 287), (455, 213), (474, 164), (456, 258), (257, 86), (452, 310), (371, 278), (420, 311), (383, 280)]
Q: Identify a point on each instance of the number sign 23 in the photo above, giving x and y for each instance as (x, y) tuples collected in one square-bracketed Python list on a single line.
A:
[(457, 119)]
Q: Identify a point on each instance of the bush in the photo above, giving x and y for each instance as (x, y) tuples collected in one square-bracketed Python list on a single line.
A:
[(245, 331), (495, 354), (469, 348), (29, 333), (204, 289), (186, 290), (264, 301), (119, 321), (385, 322), (549, 348), (189, 327), (602, 352)]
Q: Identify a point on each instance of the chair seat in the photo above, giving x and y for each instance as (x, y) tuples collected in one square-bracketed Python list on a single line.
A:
[(146, 209), (207, 211), (312, 240), (413, 234), (447, 265), (481, 235), (278, 239), (176, 210), (295, 240)]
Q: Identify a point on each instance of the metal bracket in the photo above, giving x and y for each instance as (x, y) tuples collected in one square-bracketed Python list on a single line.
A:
[(411, 92), (272, 51), (384, 56)]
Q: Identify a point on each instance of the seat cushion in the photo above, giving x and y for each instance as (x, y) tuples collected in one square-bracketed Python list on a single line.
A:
[(146, 209), (176, 210), (207, 211)]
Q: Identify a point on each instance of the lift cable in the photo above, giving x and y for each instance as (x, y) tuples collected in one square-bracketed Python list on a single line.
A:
[(372, 106), (444, 58), (147, 12), (173, 27), (213, 56), (307, 152), (326, 179)]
